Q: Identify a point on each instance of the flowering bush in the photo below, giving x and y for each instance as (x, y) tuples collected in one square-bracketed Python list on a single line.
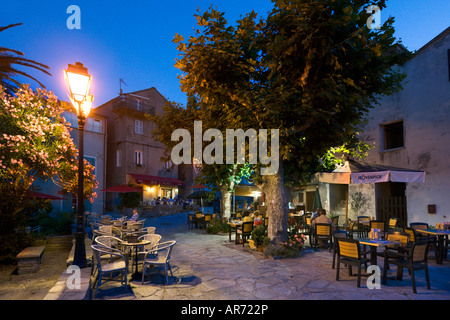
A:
[(35, 144)]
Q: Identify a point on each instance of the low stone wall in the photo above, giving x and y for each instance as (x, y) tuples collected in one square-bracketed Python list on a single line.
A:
[(163, 210)]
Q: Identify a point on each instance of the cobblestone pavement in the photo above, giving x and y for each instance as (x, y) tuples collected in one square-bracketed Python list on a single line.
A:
[(209, 267)]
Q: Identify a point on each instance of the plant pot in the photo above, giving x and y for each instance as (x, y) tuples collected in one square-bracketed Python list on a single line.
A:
[(251, 244)]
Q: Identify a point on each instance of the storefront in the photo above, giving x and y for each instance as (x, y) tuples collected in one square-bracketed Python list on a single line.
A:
[(155, 186)]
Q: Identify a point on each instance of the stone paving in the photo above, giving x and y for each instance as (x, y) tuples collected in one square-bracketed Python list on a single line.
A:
[(209, 267)]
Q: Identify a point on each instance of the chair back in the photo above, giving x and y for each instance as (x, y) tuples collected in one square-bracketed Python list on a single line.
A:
[(392, 222), (323, 229), (164, 250), (247, 226), (420, 251), (377, 224), (153, 238), (150, 230), (411, 233), (419, 225), (308, 221), (208, 217), (134, 226), (99, 250), (108, 242), (198, 215), (363, 218), (105, 229), (340, 234), (348, 247), (403, 237), (335, 220)]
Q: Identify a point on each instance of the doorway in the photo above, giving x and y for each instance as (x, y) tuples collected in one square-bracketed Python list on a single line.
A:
[(391, 202)]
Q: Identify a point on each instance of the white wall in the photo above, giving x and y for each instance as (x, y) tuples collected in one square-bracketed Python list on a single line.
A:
[(424, 106)]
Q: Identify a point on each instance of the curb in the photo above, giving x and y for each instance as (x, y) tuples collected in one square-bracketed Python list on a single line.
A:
[(65, 289)]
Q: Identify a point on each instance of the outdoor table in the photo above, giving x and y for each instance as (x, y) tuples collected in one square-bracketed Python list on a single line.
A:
[(374, 244), (136, 245), (440, 243), (233, 224)]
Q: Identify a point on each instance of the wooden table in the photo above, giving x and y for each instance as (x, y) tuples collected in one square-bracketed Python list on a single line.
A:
[(374, 244), (440, 234), (136, 245)]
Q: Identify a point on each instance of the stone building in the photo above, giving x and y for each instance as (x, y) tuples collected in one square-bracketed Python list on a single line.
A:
[(133, 155), (409, 129)]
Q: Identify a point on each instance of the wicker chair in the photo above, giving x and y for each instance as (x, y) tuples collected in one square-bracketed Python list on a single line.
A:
[(159, 256), (414, 258), (153, 238), (108, 271), (349, 253)]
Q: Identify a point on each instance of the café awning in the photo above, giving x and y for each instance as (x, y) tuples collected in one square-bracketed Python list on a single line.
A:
[(146, 179), (361, 172), (122, 189)]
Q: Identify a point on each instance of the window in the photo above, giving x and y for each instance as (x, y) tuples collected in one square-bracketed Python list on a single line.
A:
[(118, 158), (393, 135), (168, 165), (138, 158), (94, 125), (138, 105), (138, 126)]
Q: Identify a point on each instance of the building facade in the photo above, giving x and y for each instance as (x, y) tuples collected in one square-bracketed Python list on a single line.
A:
[(410, 130), (134, 157)]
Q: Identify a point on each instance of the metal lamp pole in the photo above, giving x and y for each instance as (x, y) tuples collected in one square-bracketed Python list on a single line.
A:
[(79, 81)]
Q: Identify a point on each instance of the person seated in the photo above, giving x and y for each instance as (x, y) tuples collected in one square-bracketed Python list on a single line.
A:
[(257, 220), (322, 218)]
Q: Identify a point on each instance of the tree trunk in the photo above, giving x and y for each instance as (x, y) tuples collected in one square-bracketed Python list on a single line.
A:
[(277, 206), (225, 203)]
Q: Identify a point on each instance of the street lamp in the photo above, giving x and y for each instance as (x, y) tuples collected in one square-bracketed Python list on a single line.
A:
[(78, 82)]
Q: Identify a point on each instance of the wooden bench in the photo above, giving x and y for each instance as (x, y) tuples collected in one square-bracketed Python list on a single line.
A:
[(29, 259)]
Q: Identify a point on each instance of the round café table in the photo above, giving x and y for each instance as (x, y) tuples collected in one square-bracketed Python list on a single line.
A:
[(135, 245)]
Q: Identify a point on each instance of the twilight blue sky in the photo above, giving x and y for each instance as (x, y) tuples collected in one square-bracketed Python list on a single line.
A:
[(133, 39)]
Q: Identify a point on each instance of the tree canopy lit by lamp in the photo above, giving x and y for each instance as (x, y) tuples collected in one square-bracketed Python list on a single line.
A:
[(78, 82)]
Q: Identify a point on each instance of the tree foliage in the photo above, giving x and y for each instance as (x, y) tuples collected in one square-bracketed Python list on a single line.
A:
[(9, 58), (311, 69)]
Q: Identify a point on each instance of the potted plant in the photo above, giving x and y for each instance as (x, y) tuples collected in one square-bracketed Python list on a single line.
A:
[(258, 237)]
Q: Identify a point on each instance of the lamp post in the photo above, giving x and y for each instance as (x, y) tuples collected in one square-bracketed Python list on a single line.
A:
[(78, 82)]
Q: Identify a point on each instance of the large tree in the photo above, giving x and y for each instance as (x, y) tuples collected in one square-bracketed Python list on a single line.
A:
[(311, 69)]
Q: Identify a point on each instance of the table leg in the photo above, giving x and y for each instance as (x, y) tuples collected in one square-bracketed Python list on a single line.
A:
[(439, 247)]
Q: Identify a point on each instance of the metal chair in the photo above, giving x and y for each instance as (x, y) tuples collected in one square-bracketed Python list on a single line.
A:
[(337, 234), (106, 270), (159, 256), (349, 253), (245, 230), (322, 232), (414, 258)]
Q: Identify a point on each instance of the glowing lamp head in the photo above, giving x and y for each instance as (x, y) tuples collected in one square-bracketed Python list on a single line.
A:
[(78, 82)]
